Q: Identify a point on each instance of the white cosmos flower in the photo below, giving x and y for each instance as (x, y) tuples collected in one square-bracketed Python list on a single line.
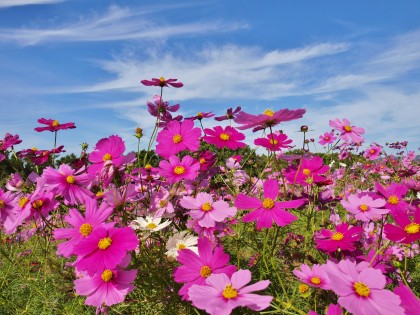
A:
[(179, 241), (149, 224)]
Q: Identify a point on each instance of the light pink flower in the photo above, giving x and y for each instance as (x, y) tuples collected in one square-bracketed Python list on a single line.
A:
[(274, 142), (373, 152), (315, 277), (364, 207), (348, 133), (222, 294), (327, 138), (176, 170), (206, 211)]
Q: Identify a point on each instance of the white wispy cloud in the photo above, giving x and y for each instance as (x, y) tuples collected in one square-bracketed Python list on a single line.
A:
[(116, 24), (15, 3)]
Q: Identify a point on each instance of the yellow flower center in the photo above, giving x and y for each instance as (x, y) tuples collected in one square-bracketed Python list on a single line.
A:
[(104, 243), (179, 170), (393, 200), (199, 114), (34, 149), (205, 271), (99, 194), (85, 229), (327, 138), (70, 179), (151, 226), (315, 280), (268, 112), (1, 204), (372, 151), (224, 136), (202, 160), (206, 206), (337, 236), (181, 246), (107, 157), (229, 292), (361, 289), (148, 166), (162, 79), (412, 228), (177, 138), (55, 123), (273, 141), (348, 128), (23, 201), (37, 204), (163, 203), (107, 275), (268, 203), (363, 207), (306, 171), (303, 288)]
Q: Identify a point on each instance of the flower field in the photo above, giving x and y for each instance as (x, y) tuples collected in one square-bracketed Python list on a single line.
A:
[(201, 223)]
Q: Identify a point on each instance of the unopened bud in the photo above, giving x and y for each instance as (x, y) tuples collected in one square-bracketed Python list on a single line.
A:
[(139, 133), (304, 128)]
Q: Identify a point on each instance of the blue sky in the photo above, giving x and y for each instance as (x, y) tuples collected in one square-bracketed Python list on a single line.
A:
[(82, 61)]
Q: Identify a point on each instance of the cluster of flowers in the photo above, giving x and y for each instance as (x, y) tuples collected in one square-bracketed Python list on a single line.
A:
[(114, 203)]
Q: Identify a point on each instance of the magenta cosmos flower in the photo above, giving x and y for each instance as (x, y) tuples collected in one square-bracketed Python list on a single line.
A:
[(274, 141), (407, 231), (327, 138), (267, 119), (348, 133), (107, 151), (9, 141), (82, 226), (364, 207), (230, 114), (394, 195), (309, 171), (161, 109), (177, 137), (196, 269), (162, 82), (409, 301), (332, 309), (176, 170), (361, 289), (105, 248), (201, 116), (222, 293), (66, 183), (53, 125), (315, 277), (109, 286), (8, 202), (227, 137), (268, 210), (206, 211), (373, 152), (342, 238)]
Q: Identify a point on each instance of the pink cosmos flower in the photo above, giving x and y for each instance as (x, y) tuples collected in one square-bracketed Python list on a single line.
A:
[(162, 82), (105, 248), (364, 207), (373, 152), (268, 210), (42, 156), (207, 159), (107, 151), (361, 289), (274, 141), (394, 194), (176, 170), (315, 277), (109, 286), (53, 125), (206, 211), (161, 109), (409, 301), (177, 137), (348, 133), (65, 182), (308, 172), (342, 238), (332, 309), (9, 141), (201, 115), (222, 293), (407, 231), (196, 269), (267, 119), (8, 215), (327, 138), (224, 137), (230, 114), (82, 226)]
